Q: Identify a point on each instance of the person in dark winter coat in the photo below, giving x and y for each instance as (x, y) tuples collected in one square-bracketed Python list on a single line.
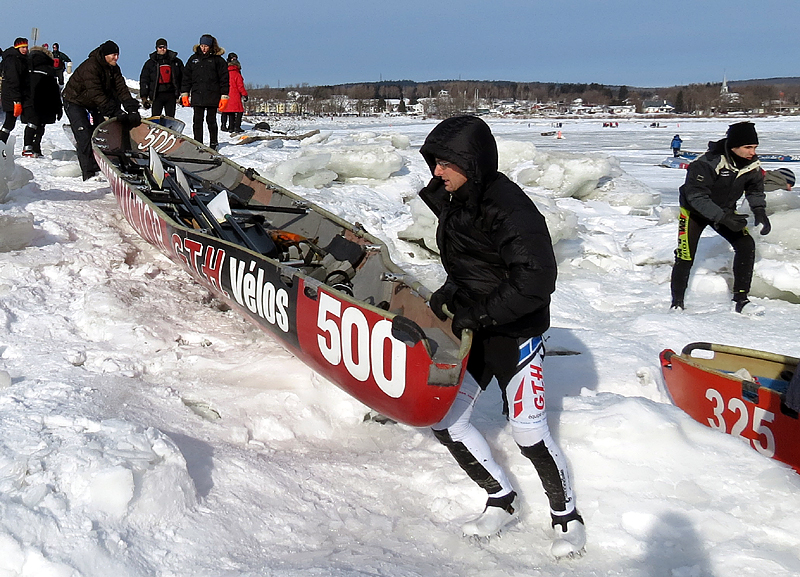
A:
[(43, 105), (676, 145), (16, 84), (501, 270), (160, 80), (60, 59), (232, 117), (714, 184), (94, 92), (205, 87)]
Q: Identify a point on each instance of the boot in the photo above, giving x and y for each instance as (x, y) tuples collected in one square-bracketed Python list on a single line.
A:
[(499, 512), (569, 535)]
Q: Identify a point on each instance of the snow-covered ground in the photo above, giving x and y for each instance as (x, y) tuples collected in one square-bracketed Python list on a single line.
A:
[(146, 430)]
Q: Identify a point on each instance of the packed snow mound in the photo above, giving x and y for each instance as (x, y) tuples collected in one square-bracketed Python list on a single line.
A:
[(17, 231), (322, 161)]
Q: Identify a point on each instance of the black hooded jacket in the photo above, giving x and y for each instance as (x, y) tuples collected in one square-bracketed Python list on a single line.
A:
[(43, 105), (716, 181), (492, 239), (205, 77), (96, 85)]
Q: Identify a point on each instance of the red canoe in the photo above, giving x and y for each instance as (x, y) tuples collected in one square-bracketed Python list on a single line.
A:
[(737, 391), (324, 287)]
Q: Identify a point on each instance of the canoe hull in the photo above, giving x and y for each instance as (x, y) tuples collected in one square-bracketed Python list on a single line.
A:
[(704, 386), (347, 340)]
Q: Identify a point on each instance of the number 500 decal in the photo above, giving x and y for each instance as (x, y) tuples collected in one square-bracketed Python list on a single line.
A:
[(739, 407), (347, 337)]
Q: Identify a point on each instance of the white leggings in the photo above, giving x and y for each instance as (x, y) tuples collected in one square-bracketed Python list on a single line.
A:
[(526, 404)]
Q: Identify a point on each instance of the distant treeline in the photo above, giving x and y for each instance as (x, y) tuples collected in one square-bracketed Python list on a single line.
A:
[(752, 94)]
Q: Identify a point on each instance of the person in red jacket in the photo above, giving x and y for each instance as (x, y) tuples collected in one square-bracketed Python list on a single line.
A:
[(232, 117)]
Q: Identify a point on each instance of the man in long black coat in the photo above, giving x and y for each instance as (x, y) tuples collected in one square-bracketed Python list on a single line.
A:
[(16, 84), (97, 91), (501, 271)]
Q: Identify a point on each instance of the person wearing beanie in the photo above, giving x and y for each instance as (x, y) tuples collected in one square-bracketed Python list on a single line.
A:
[(97, 91), (160, 80), (714, 184), (43, 105), (205, 87), (16, 84), (60, 63), (232, 117)]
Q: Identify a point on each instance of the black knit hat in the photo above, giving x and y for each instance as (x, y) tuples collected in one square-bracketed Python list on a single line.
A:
[(742, 134), (161, 42), (109, 47)]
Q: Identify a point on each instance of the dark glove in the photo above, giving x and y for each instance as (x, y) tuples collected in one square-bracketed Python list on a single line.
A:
[(131, 105), (444, 296), (733, 221), (133, 119), (145, 103), (244, 98), (469, 318), (761, 218)]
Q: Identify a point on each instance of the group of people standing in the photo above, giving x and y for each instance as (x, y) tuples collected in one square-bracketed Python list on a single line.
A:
[(97, 90), (208, 83), (31, 92)]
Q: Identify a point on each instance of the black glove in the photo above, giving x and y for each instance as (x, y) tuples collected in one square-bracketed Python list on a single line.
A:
[(244, 98), (761, 218), (444, 296), (733, 221), (145, 103), (131, 105), (129, 119), (469, 318)]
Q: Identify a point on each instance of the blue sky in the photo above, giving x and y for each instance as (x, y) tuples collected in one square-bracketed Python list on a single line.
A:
[(636, 43)]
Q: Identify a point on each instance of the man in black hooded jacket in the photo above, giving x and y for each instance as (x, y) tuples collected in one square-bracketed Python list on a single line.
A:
[(501, 270), (714, 184), (96, 91)]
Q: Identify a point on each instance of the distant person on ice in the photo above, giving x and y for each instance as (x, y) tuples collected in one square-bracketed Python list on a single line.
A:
[(232, 117), (676, 145), (714, 184), (60, 59), (160, 80), (501, 271), (205, 87), (94, 92)]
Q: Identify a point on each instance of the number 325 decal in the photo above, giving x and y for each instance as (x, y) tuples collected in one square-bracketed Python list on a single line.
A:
[(765, 444)]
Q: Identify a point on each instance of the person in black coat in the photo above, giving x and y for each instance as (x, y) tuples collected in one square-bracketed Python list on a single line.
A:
[(714, 184), (501, 270), (160, 80), (205, 87), (43, 105), (97, 91), (16, 84)]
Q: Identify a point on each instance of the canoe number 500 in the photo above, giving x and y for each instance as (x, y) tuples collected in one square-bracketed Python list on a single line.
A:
[(346, 337), (739, 409)]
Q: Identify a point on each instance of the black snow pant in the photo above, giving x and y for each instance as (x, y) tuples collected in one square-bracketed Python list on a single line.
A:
[(34, 131), (210, 113), (83, 122), (164, 102), (690, 227)]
